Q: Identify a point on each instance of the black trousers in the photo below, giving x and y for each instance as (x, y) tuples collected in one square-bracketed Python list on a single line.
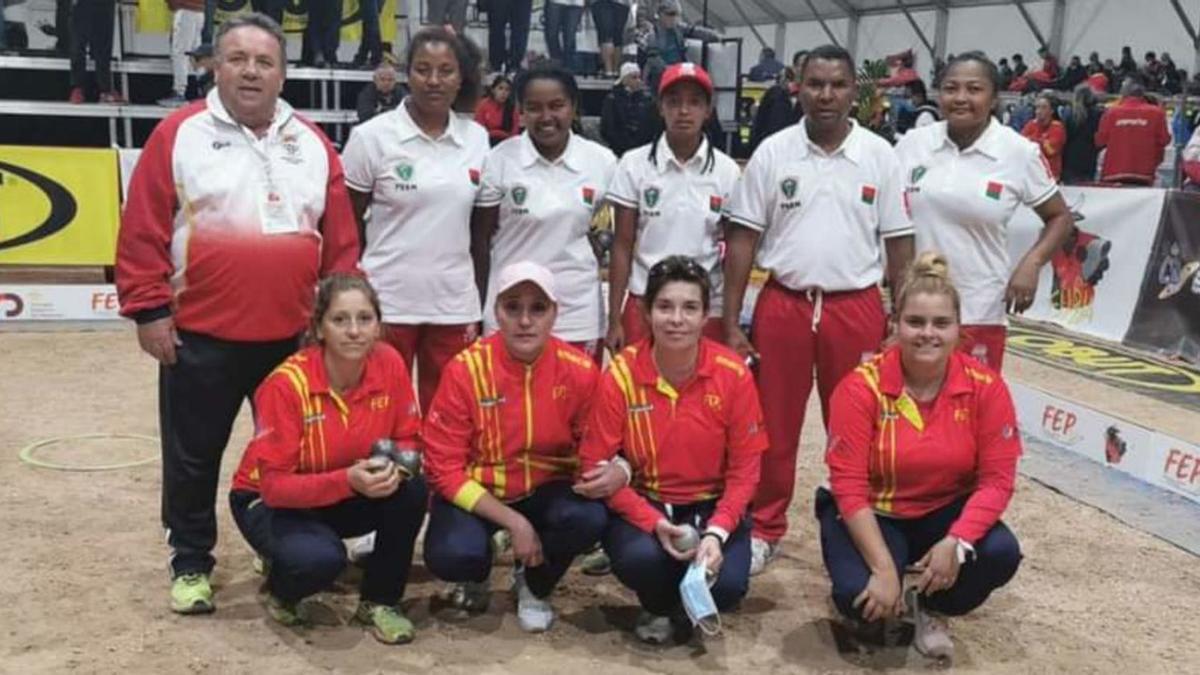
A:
[(92, 29), (198, 401), (508, 49), (323, 31), (304, 546)]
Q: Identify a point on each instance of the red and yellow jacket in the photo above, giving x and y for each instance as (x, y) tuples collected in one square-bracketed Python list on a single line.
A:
[(699, 443), (498, 425), (306, 435), (904, 459)]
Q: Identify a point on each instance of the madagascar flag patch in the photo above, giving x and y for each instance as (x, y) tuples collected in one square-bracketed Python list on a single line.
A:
[(868, 194), (994, 190), (714, 203), (589, 196), (474, 174)]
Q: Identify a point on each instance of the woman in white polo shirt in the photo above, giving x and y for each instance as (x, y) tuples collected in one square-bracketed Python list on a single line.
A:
[(418, 167), (668, 197), (540, 190), (965, 177)]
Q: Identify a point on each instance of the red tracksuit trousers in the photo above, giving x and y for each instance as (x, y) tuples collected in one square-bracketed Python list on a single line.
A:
[(795, 333)]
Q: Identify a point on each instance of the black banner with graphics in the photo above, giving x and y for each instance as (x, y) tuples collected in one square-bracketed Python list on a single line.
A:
[(1167, 317)]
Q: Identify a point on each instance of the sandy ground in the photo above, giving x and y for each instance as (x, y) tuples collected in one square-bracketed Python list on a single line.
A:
[(84, 583)]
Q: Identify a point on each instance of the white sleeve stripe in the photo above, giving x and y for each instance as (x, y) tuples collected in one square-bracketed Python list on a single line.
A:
[(745, 222), (358, 188), (905, 232), (488, 203), (623, 201), (1044, 198)]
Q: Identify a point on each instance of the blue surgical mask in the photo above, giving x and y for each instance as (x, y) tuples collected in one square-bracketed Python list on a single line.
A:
[(698, 600)]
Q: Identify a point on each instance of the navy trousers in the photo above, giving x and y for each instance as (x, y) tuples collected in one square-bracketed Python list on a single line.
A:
[(305, 549), (457, 542), (641, 563), (997, 557)]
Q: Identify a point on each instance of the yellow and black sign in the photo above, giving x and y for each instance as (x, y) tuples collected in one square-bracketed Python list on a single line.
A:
[(155, 17), (1108, 363), (58, 206)]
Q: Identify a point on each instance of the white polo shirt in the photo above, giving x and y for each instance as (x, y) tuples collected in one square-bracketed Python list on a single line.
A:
[(822, 215), (679, 208), (545, 214), (418, 250), (961, 202)]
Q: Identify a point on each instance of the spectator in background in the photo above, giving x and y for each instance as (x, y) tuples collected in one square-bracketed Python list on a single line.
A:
[(1110, 69), (627, 119), (271, 8), (1079, 156), (187, 22), (508, 34), (92, 31), (381, 94), (1094, 60), (922, 112), (203, 66), (370, 47), (562, 23), (1152, 71), (1128, 66), (450, 14), (671, 33), (1097, 79), (902, 72), (1018, 65), (1134, 132), (610, 17), (767, 68), (497, 111), (1072, 76), (1172, 79), (322, 32), (779, 107), (1048, 73), (1048, 132), (62, 27), (1006, 74)]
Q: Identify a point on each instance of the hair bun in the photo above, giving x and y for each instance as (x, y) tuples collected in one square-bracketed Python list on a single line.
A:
[(930, 264)]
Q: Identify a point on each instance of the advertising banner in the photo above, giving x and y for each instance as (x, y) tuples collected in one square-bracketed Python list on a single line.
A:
[(1150, 456), (1167, 318), (58, 206), (83, 302), (1090, 286), (154, 16)]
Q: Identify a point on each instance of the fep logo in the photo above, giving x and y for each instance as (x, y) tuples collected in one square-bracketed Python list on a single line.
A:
[(62, 206), (11, 305), (1183, 469), (1059, 424)]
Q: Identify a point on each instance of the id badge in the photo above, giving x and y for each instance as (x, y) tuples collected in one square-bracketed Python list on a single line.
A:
[(276, 213)]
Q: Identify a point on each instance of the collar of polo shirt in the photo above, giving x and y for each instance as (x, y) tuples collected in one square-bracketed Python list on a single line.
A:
[(570, 157), (986, 144), (409, 129), (664, 157), (850, 147)]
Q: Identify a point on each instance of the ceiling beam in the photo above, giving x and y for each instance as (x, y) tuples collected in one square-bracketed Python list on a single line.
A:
[(713, 19), (916, 28), (768, 9), (821, 20), (1037, 32), (846, 7), (737, 6)]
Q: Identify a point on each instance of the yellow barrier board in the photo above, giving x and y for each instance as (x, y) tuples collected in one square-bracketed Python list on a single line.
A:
[(58, 206), (155, 17)]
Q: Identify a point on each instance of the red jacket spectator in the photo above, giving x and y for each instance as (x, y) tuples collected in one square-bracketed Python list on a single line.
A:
[(1134, 132), (1098, 81), (1051, 139), (489, 113)]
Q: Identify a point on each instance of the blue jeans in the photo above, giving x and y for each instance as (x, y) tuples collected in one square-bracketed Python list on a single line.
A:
[(562, 23), (371, 46), (639, 561), (997, 557), (305, 549), (457, 542)]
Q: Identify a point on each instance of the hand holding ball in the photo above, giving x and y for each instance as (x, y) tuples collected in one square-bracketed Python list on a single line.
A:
[(687, 541)]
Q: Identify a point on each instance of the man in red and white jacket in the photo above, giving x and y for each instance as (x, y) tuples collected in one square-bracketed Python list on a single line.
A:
[(1134, 135), (236, 209)]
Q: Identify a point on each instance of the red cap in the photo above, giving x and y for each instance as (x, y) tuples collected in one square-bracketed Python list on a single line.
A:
[(685, 72)]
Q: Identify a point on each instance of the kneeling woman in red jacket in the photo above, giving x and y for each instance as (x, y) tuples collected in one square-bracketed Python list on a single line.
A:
[(922, 458), (502, 437), (683, 411), (304, 482)]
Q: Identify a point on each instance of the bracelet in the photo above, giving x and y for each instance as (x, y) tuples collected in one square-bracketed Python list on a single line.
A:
[(714, 535)]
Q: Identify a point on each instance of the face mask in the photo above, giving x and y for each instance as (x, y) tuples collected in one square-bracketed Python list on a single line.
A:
[(698, 600)]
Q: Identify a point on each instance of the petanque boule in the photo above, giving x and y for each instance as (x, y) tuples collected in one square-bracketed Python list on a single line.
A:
[(687, 541), (409, 462)]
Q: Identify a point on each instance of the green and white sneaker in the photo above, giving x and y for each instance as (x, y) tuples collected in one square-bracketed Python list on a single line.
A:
[(191, 594), (385, 623), (284, 613)]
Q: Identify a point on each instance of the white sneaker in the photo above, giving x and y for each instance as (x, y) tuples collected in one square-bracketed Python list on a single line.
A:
[(931, 636), (761, 553), (534, 614), (652, 628)]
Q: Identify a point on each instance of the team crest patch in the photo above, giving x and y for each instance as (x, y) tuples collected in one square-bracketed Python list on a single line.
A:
[(519, 193), (994, 190), (714, 203), (589, 196), (473, 174), (650, 194), (868, 194), (404, 171), (788, 186), (917, 174)]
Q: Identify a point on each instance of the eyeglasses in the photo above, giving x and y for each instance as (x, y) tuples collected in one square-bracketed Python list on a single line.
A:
[(678, 266)]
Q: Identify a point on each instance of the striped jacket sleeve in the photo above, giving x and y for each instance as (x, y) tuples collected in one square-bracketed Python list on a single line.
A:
[(852, 414), (448, 433)]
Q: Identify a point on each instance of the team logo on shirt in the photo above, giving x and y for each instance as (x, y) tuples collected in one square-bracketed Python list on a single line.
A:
[(519, 193), (404, 171), (651, 196), (379, 402), (917, 173), (589, 196), (868, 194), (473, 174), (713, 401), (788, 186), (994, 190), (714, 203), (558, 392)]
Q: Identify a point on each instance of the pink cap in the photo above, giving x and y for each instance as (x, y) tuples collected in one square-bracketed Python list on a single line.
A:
[(685, 72), (520, 272)]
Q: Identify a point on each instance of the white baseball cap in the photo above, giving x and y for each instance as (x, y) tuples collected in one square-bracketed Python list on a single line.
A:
[(520, 272)]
